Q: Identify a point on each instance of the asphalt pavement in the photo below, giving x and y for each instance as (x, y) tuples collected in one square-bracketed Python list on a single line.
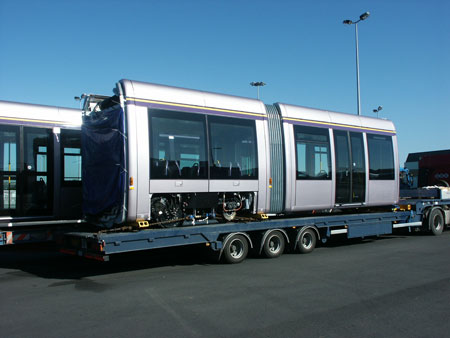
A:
[(394, 286)]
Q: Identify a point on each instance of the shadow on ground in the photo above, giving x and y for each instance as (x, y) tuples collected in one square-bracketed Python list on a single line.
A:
[(45, 261)]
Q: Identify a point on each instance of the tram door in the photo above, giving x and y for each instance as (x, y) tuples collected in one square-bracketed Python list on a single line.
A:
[(350, 167), (26, 171)]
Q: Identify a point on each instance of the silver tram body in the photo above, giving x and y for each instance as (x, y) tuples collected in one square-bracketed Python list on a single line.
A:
[(190, 153), (40, 164)]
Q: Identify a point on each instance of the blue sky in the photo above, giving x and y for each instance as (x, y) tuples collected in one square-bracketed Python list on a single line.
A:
[(52, 51)]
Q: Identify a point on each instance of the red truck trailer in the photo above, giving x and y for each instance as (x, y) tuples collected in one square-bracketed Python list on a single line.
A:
[(429, 168)]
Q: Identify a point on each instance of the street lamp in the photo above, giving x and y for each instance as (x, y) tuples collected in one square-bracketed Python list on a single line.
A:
[(80, 98), (377, 110), (362, 17), (257, 85)]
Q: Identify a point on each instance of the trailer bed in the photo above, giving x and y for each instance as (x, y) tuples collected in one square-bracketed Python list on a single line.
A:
[(99, 245)]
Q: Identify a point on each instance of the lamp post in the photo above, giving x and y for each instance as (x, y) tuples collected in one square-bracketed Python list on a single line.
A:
[(377, 110), (362, 17), (257, 85)]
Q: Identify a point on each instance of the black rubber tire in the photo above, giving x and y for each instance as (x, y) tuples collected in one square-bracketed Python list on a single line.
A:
[(442, 183), (436, 221), (274, 245), (235, 249), (307, 241)]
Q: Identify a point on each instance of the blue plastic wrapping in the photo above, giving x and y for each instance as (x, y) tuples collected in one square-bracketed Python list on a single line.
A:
[(103, 144)]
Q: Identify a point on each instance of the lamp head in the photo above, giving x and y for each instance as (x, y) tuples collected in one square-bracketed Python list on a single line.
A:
[(364, 16), (347, 22)]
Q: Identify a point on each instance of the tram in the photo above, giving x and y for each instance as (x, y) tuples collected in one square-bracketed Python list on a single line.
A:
[(40, 165), (172, 154)]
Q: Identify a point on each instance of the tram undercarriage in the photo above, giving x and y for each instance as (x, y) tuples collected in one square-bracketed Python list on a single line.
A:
[(172, 210)]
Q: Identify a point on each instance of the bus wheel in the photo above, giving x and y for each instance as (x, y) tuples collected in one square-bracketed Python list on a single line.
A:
[(436, 221), (274, 245), (235, 249), (306, 242)]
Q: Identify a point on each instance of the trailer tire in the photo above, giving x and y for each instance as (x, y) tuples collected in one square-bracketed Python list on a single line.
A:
[(442, 183), (436, 221), (274, 244), (307, 240), (235, 249)]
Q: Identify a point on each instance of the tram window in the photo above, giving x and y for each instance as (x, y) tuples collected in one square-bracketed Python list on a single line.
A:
[(177, 145), (71, 157), (313, 153), (8, 166), (232, 148), (381, 157)]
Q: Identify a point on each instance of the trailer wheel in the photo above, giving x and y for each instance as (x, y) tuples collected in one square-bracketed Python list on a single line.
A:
[(307, 241), (436, 221), (274, 245), (235, 249)]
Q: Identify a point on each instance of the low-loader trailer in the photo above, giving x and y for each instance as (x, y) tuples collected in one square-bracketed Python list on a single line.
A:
[(268, 237)]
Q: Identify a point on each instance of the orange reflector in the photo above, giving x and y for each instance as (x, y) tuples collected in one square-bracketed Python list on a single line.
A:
[(131, 181), (270, 181)]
